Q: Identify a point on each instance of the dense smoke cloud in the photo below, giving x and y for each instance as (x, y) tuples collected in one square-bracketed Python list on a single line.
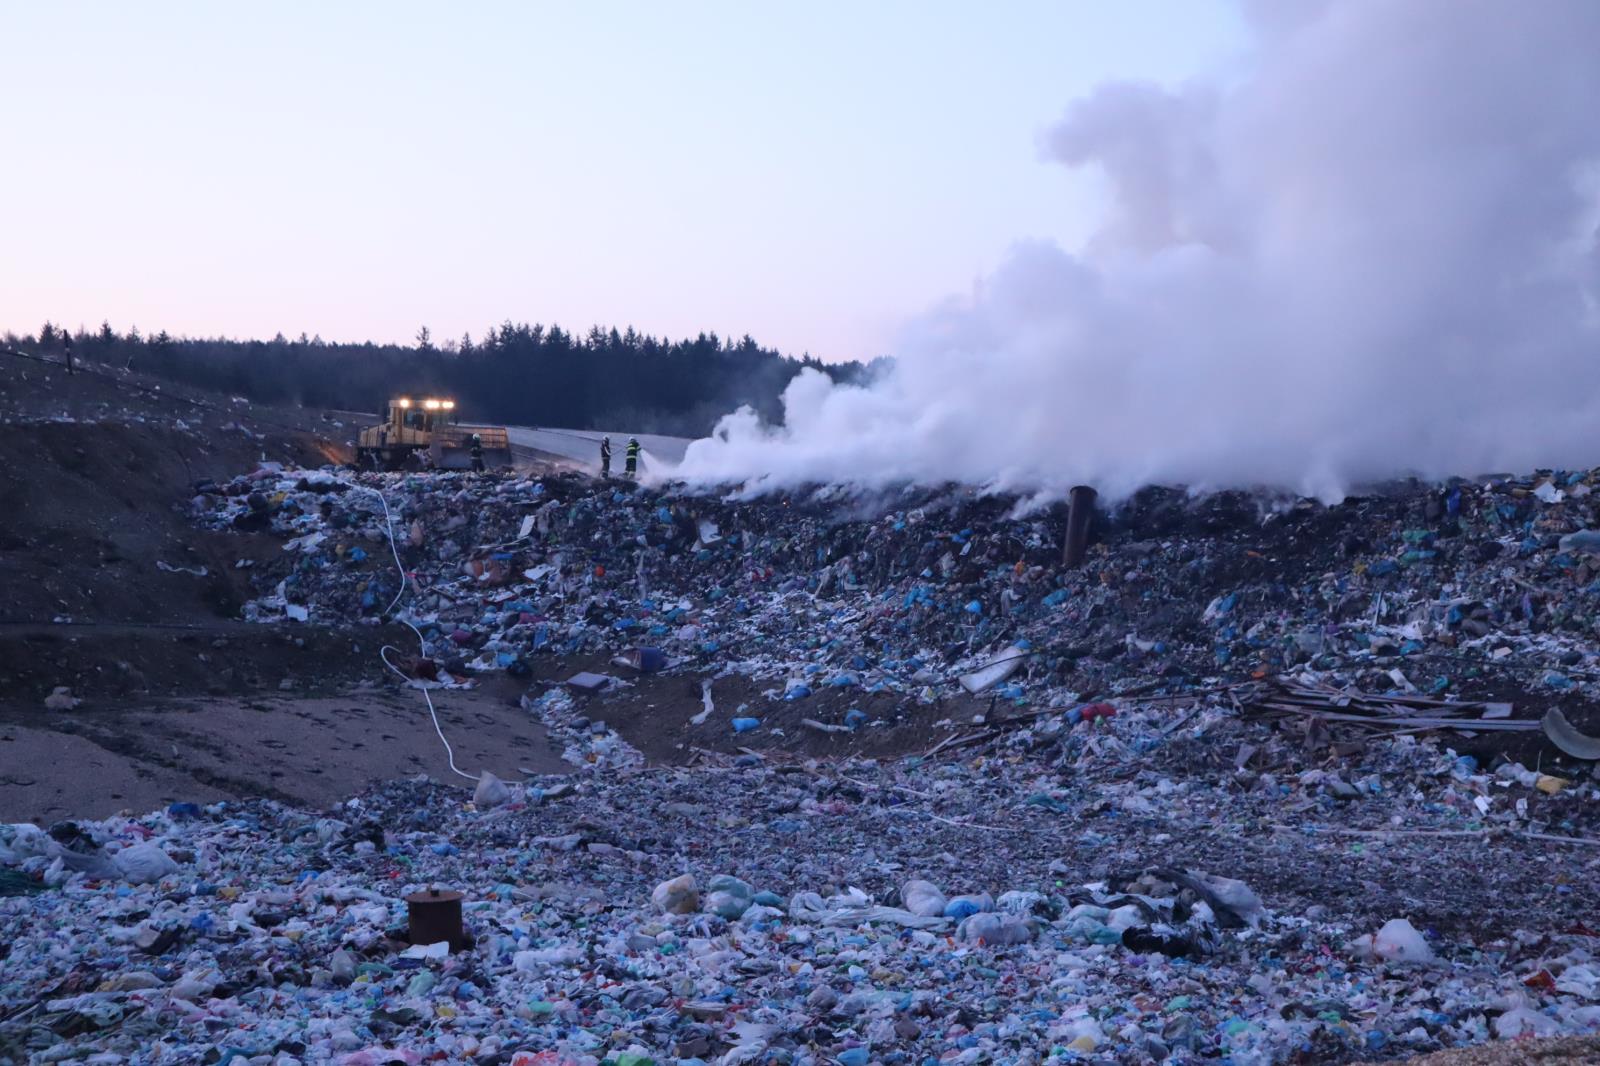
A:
[(1374, 251)]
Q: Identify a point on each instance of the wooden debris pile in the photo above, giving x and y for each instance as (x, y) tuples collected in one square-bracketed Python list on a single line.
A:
[(1386, 714)]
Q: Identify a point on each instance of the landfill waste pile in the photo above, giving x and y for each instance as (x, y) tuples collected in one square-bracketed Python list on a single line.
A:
[(1263, 781), (1422, 589), (1164, 883), (1128, 891)]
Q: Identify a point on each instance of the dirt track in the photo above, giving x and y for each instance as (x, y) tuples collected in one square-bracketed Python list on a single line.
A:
[(1566, 1051), (98, 759)]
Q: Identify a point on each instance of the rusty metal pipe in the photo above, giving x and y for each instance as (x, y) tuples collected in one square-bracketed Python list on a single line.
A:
[(1080, 509)]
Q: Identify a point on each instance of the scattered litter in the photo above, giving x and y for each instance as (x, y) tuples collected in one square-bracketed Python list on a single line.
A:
[(1568, 739), (707, 705), (61, 699), (824, 727), (645, 660), (678, 896), (142, 864), (588, 682), (997, 670), (1397, 942), (491, 792)]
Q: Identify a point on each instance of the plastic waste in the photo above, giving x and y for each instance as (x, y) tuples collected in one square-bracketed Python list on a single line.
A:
[(1002, 666), (728, 897), (61, 699), (491, 792), (854, 907), (1230, 898), (1520, 1022), (707, 705), (922, 898), (1584, 540), (142, 864), (959, 907), (995, 930), (1398, 942), (1566, 737), (646, 660), (681, 895)]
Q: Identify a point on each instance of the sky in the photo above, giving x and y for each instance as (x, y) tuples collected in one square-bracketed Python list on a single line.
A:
[(814, 175)]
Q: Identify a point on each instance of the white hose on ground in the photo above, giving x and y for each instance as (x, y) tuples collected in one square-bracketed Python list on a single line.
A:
[(422, 645), (449, 753), (388, 527)]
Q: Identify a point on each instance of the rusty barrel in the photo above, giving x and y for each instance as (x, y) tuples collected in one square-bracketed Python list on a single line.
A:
[(434, 914)]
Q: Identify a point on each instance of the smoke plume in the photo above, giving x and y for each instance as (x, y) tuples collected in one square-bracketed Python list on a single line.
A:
[(1374, 250)]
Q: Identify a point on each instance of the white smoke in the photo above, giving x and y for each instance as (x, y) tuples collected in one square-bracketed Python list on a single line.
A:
[(1375, 251)]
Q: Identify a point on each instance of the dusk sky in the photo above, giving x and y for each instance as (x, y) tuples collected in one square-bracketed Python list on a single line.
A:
[(814, 175)]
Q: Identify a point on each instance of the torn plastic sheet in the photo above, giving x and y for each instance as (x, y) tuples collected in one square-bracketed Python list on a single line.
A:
[(1565, 736), (855, 907)]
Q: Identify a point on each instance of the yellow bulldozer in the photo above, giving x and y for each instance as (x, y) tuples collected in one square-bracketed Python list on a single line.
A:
[(428, 434)]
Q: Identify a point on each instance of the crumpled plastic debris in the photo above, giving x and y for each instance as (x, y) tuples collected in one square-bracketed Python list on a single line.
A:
[(491, 792), (922, 898), (678, 896), (143, 864), (1397, 942), (61, 699)]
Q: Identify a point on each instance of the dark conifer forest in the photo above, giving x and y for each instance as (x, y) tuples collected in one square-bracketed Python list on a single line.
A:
[(515, 373)]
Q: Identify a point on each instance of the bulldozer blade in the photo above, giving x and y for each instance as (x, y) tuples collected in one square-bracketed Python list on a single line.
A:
[(461, 459)]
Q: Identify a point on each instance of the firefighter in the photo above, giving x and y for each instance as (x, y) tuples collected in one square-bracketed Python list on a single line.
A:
[(632, 461), (477, 454), (605, 456), (66, 346)]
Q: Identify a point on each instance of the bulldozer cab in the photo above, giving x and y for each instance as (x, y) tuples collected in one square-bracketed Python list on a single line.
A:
[(422, 416)]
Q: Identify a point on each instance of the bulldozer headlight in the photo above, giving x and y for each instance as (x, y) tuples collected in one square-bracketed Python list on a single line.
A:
[(449, 405), (405, 403), (432, 405)]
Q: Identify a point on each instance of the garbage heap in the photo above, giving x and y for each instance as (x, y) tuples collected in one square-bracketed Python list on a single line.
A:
[(1161, 899), (1413, 588)]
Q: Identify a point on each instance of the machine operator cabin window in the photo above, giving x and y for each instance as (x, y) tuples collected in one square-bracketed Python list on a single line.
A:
[(424, 416)]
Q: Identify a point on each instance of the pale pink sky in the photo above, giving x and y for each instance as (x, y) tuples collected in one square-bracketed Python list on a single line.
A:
[(810, 174)]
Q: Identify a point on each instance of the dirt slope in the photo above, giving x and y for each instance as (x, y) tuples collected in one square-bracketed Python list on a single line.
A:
[(105, 586)]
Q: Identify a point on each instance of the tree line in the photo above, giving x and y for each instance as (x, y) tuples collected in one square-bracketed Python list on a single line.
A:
[(516, 373)]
